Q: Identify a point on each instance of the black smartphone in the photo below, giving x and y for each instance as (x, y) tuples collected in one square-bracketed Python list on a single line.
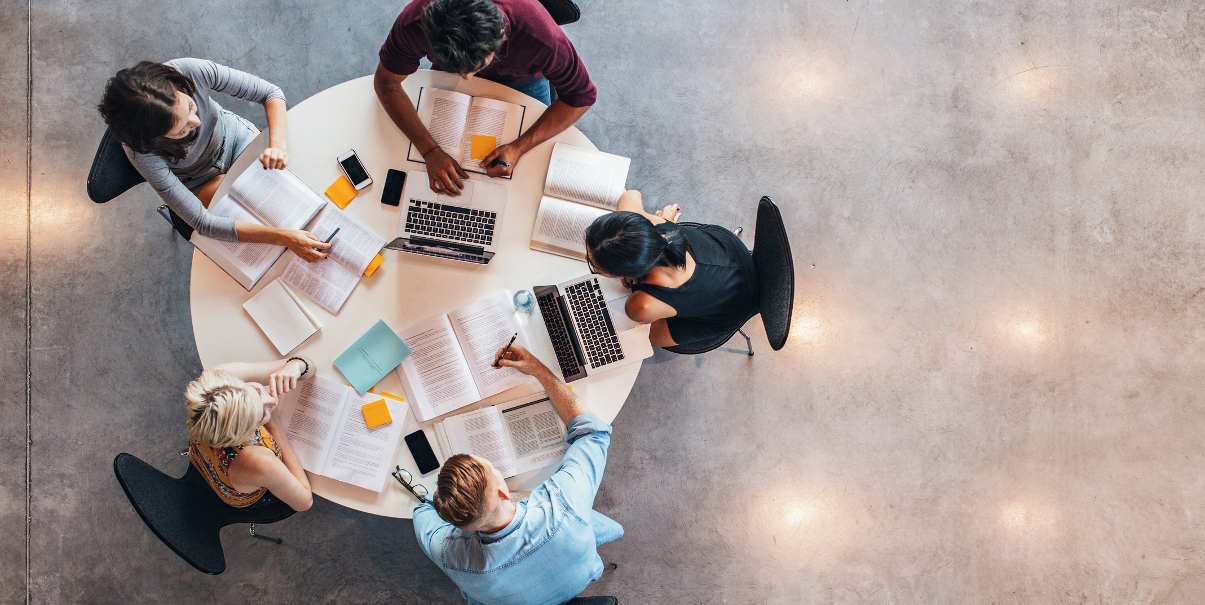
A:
[(394, 181), (420, 448)]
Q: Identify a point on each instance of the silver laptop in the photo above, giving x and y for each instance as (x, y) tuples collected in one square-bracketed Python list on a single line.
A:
[(462, 228), (589, 329)]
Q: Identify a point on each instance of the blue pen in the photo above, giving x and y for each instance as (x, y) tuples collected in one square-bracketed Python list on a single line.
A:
[(330, 237), (498, 162)]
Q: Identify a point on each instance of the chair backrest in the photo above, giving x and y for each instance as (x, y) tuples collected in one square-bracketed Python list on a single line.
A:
[(111, 174), (563, 12), (775, 272), (184, 512)]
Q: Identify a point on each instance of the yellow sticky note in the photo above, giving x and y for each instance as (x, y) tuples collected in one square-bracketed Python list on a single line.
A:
[(341, 192), (376, 413), (373, 264), (481, 145), (391, 395)]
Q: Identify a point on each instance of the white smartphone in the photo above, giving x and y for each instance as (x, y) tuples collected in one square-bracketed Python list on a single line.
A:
[(354, 171)]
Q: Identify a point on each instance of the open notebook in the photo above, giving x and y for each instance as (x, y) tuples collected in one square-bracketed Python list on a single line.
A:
[(581, 186), (325, 426), (452, 356), (330, 281), (263, 197), (467, 128), (522, 438), (282, 316)]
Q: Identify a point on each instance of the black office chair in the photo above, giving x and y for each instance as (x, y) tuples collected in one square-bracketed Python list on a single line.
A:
[(592, 601), (185, 513), (112, 174), (563, 12), (775, 284)]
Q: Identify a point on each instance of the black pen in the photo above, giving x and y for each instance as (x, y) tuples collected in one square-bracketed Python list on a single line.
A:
[(506, 350), (330, 237)]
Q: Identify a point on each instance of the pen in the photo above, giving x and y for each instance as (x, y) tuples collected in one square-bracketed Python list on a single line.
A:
[(505, 351), (331, 236), (500, 163)]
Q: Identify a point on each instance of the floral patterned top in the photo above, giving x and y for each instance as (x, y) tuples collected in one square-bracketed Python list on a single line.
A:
[(214, 465)]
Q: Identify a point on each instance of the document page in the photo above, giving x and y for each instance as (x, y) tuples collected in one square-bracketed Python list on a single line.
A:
[(491, 123), (586, 176), (281, 317), (436, 377), (356, 243), (537, 434), (482, 327), (481, 433), (326, 282), (246, 262), (443, 112), (560, 227), (310, 413), (277, 197), (360, 455)]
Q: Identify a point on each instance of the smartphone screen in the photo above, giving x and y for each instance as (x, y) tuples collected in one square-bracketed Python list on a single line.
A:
[(420, 448), (354, 170), (394, 181)]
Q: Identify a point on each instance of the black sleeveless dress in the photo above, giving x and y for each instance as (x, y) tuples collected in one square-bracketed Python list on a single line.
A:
[(721, 294)]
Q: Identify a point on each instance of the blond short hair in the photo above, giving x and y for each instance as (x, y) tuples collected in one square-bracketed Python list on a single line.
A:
[(219, 412)]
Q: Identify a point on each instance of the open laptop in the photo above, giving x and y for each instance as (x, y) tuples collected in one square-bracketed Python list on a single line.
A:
[(460, 228), (589, 328)]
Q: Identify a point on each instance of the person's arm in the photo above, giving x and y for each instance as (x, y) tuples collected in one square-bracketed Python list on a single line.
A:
[(279, 375), (563, 400), (282, 476), (556, 118), (276, 156), (444, 173), (304, 244)]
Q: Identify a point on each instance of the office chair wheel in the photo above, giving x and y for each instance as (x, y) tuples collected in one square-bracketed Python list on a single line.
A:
[(251, 530)]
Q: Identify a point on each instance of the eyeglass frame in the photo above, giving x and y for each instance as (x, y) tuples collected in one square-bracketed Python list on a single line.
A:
[(410, 484)]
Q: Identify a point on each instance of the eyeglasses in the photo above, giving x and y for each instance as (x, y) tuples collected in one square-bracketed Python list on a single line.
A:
[(404, 477)]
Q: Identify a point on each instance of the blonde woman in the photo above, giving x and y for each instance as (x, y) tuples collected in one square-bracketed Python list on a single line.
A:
[(234, 443)]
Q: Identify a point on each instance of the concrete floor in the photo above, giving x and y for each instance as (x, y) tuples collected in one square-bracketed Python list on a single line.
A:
[(991, 393)]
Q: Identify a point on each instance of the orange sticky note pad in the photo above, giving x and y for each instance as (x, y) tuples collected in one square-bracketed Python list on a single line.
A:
[(341, 192), (373, 264), (376, 413), (481, 145)]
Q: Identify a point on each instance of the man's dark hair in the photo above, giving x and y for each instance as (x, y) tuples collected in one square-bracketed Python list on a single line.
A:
[(462, 33)]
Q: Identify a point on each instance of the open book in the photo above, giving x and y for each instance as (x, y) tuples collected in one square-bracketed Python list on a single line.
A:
[(467, 128), (263, 197), (324, 424), (581, 186), (282, 316), (330, 281), (516, 440), (452, 356)]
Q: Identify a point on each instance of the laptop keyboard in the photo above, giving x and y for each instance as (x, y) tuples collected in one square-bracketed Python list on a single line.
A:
[(451, 222), (594, 327), (559, 333)]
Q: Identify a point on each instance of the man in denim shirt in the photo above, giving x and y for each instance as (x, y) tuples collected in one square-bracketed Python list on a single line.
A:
[(542, 549)]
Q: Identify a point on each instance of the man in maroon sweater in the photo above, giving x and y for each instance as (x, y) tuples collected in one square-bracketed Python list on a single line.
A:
[(514, 42)]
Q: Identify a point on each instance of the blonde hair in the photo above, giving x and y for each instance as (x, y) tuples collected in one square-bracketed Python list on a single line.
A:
[(219, 413)]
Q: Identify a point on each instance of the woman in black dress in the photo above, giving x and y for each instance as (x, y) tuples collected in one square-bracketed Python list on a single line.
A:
[(692, 282)]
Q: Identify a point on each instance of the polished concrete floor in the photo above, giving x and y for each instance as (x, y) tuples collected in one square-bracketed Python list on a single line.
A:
[(991, 393)]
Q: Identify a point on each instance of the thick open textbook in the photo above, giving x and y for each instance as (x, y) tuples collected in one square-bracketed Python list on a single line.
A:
[(465, 127), (330, 281), (581, 186), (263, 197), (324, 424), (282, 316), (516, 440), (452, 356)]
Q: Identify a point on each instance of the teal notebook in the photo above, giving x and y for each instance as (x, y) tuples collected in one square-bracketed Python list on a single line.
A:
[(371, 357)]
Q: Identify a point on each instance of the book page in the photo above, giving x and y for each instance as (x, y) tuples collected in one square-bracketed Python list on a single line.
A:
[(356, 243), (280, 317), (493, 118), (481, 328), (481, 433), (326, 282), (310, 413), (359, 455), (537, 434), (246, 262), (436, 377), (589, 177), (561, 226), (444, 113), (277, 197)]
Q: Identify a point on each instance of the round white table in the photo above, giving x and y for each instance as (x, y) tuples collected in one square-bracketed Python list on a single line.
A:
[(407, 287)]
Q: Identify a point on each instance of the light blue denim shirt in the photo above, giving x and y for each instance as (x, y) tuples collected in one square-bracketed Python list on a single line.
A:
[(547, 553)]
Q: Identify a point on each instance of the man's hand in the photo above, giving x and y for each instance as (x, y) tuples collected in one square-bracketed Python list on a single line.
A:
[(521, 359), (507, 155), (444, 172)]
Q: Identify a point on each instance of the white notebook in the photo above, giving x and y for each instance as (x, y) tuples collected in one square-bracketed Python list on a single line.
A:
[(452, 356), (276, 198), (454, 118), (522, 438), (282, 317), (581, 186), (325, 426), (330, 281)]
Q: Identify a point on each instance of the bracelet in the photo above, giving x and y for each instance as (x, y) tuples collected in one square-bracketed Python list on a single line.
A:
[(307, 365)]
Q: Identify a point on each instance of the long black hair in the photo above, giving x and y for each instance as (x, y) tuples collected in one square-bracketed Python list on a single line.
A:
[(627, 244), (137, 106)]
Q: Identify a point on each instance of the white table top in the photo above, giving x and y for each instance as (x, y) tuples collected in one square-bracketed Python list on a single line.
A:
[(407, 287)]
